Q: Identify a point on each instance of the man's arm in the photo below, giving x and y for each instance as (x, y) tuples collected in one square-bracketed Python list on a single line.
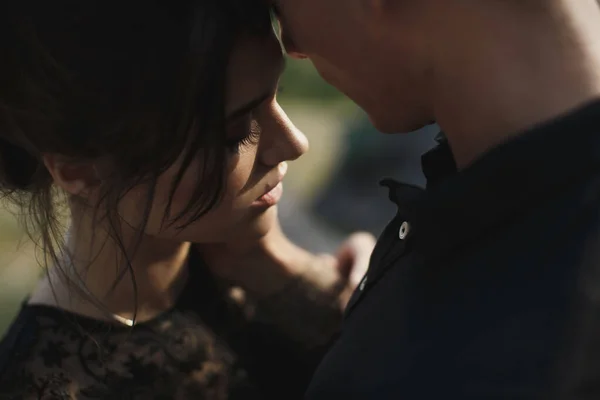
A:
[(303, 294)]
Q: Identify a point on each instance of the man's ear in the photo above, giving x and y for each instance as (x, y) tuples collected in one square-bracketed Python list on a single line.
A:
[(75, 177)]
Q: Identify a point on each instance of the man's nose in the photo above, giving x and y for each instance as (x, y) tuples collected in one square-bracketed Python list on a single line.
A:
[(283, 141), (288, 43), (291, 49)]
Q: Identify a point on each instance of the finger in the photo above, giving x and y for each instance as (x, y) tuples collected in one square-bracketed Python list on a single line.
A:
[(345, 260), (360, 245)]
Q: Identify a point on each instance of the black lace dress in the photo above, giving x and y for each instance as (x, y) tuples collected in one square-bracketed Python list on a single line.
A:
[(204, 348)]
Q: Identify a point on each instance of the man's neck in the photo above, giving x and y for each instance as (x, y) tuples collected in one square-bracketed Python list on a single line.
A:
[(514, 74)]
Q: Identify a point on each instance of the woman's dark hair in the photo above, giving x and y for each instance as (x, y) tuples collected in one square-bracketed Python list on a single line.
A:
[(136, 83)]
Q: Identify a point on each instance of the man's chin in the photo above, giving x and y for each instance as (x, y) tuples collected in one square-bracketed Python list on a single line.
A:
[(396, 126)]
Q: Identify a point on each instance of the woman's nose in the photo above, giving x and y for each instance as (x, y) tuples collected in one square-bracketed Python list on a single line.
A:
[(284, 142)]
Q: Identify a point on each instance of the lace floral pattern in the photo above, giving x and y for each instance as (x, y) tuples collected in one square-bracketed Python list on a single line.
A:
[(208, 347), (175, 357)]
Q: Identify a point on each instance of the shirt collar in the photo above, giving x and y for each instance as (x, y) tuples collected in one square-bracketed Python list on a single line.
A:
[(460, 206)]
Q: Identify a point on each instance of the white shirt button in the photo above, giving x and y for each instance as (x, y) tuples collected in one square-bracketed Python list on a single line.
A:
[(363, 283), (404, 230)]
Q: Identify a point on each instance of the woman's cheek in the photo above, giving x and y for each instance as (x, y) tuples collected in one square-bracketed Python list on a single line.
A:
[(237, 190), (239, 179)]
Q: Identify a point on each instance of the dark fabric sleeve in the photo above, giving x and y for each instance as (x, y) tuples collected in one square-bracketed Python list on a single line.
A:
[(283, 368)]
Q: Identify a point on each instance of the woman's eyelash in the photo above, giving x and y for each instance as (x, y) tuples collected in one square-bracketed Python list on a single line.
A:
[(252, 138), (247, 141)]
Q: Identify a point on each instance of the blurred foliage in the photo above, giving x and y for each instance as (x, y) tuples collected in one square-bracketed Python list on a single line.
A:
[(302, 82)]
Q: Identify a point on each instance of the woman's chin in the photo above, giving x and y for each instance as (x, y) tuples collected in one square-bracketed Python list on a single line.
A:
[(261, 224), (250, 228)]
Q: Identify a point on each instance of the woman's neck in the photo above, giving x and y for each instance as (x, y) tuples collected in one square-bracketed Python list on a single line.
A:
[(98, 281)]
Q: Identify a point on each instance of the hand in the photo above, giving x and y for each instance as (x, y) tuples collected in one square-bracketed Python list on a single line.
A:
[(353, 259), (265, 266), (262, 266), (304, 294)]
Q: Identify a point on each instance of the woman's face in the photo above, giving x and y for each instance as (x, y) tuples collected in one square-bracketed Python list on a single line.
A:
[(260, 140)]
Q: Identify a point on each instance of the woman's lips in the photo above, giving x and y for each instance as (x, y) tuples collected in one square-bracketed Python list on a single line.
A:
[(270, 198), (275, 192)]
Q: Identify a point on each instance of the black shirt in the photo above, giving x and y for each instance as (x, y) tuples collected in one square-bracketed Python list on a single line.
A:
[(486, 285), (206, 347)]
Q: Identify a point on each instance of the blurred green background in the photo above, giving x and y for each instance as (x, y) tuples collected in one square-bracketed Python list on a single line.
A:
[(315, 107)]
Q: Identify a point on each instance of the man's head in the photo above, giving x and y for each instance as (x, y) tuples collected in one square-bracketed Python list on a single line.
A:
[(348, 41), (394, 57)]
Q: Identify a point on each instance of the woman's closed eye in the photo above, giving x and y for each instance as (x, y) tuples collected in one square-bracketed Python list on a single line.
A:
[(248, 134), (244, 130)]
